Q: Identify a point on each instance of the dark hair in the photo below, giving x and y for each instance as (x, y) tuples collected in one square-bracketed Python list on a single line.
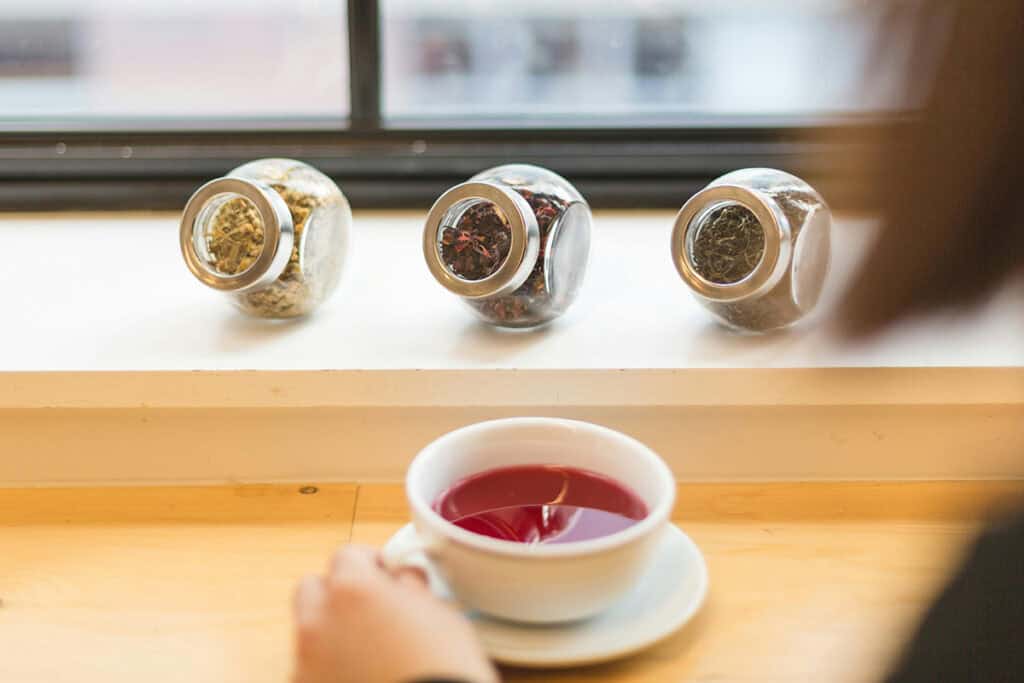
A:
[(950, 186)]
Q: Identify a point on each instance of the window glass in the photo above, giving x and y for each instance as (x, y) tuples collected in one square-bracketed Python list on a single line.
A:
[(483, 58), (102, 61)]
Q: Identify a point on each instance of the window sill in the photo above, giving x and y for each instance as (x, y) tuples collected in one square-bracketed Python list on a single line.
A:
[(120, 367)]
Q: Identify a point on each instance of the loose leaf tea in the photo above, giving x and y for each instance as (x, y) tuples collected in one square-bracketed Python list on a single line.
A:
[(529, 304), (272, 273), (779, 307), (235, 239), (288, 295), (725, 249), (478, 244), (470, 232), (769, 312), (728, 246), (235, 236)]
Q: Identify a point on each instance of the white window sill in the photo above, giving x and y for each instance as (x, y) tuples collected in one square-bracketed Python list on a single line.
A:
[(111, 346)]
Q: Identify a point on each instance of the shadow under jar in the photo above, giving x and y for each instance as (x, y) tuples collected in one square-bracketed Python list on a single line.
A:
[(513, 242), (272, 233), (754, 248)]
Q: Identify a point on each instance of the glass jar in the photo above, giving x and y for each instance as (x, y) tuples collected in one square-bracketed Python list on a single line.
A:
[(273, 233), (513, 242), (753, 247)]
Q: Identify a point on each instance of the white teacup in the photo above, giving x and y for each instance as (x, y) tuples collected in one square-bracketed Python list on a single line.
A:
[(538, 583)]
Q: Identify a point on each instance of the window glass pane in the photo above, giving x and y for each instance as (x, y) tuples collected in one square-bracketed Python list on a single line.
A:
[(99, 61), (484, 58)]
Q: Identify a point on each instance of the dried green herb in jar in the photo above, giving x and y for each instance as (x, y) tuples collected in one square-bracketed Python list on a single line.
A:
[(753, 246), (772, 312), (235, 236), (728, 246), (250, 234), (289, 295)]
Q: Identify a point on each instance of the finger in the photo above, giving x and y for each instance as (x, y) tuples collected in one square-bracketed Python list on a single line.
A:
[(354, 563), (412, 576), (308, 600)]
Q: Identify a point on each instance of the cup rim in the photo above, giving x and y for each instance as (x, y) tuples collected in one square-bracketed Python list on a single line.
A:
[(656, 516)]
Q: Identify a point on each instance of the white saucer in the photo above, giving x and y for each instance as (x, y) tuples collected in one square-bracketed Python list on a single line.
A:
[(667, 596)]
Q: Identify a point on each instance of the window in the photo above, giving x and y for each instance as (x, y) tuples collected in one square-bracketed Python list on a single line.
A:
[(116, 103), (549, 60), (105, 63)]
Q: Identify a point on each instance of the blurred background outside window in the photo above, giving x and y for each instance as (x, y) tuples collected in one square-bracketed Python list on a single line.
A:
[(96, 60), (421, 93), (574, 59), (101, 61)]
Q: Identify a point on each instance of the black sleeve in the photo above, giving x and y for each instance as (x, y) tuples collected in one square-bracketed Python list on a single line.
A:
[(975, 630)]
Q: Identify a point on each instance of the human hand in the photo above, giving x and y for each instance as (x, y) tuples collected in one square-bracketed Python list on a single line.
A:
[(362, 623)]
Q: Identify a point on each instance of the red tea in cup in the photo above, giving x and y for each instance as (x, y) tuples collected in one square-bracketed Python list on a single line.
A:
[(540, 504)]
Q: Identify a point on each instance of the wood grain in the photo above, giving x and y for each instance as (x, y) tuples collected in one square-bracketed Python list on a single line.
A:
[(158, 585), (809, 582), (151, 445)]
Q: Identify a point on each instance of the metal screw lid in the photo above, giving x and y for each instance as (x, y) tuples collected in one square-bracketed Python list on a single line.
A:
[(278, 235), (777, 242), (523, 250)]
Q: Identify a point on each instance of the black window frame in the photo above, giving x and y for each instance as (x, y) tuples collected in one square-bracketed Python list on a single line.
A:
[(655, 163)]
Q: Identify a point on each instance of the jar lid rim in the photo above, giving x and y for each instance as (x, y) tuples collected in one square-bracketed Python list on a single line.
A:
[(524, 246), (278, 234), (777, 242)]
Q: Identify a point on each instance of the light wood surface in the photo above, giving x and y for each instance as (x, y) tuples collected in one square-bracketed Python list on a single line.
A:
[(809, 582), (158, 585), (204, 445)]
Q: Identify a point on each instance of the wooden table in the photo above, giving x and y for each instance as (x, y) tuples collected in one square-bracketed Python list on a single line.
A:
[(809, 582)]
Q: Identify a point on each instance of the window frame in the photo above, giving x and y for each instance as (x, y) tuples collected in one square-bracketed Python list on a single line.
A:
[(655, 163)]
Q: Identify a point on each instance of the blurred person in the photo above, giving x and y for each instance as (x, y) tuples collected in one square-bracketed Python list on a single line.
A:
[(949, 190)]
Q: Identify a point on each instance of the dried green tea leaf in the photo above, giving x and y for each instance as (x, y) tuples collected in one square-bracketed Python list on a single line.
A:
[(728, 246)]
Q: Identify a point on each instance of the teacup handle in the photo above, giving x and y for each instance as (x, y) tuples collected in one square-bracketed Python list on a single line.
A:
[(405, 557)]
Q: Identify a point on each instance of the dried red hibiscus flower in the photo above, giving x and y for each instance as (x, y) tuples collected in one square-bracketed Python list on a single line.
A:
[(478, 244)]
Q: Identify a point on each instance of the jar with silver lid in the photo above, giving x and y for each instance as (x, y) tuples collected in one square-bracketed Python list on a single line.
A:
[(754, 248), (272, 233), (512, 242)]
